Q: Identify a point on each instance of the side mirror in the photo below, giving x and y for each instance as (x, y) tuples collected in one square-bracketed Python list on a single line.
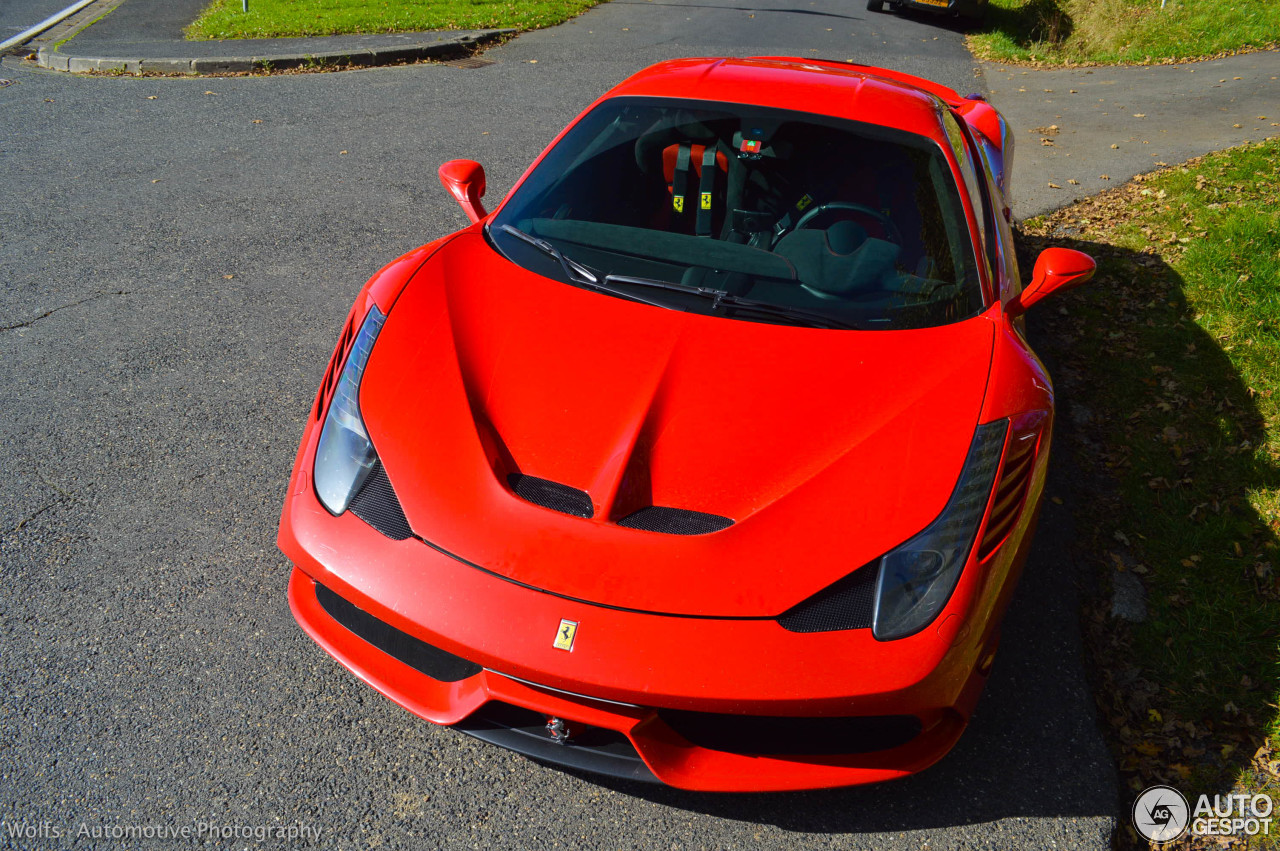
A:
[(465, 181), (1056, 270)]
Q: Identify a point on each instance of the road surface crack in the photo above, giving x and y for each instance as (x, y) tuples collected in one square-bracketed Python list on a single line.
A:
[(54, 310)]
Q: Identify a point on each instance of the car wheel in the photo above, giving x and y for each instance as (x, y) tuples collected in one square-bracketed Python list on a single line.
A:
[(875, 5)]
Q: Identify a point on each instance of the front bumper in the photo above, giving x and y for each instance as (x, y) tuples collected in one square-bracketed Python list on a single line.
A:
[(696, 703)]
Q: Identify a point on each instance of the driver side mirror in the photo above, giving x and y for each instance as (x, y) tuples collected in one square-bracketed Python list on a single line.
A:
[(465, 181), (1056, 270)]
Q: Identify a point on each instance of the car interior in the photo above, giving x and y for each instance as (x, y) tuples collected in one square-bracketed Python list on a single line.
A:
[(788, 208)]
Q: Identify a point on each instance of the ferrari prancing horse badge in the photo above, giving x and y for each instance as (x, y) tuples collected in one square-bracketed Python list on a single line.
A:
[(565, 634)]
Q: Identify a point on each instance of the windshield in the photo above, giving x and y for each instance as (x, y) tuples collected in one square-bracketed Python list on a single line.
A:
[(760, 214)]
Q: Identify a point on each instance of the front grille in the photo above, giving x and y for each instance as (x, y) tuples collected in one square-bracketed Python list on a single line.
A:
[(551, 495), (377, 505), (417, 654), (675, 521), (848, 604), (525, 731), (770, 735)]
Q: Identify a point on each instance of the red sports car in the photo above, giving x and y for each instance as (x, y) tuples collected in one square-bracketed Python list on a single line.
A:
[(712, 455)]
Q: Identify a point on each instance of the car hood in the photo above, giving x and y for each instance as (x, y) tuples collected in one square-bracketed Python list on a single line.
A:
[(825, 447)]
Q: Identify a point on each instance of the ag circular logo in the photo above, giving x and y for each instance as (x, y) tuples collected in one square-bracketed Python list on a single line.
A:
[(1160, 814)]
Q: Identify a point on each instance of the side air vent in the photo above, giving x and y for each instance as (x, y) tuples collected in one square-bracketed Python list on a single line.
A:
[(848, 604), (377, 505), (417, 654), (1006, 505), (338, 358), (551, 495), (675, 521)]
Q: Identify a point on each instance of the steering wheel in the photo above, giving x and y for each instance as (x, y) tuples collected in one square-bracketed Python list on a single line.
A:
[(886, 224)]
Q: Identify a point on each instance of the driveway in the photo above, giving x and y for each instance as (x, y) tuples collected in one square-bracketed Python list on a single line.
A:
[(178, 257)]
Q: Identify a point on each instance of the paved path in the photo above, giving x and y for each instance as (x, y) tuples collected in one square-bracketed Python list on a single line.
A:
[(1126, 121)]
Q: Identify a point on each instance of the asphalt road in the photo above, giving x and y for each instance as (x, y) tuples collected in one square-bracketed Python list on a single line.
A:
[(178, 255), (17, 15)]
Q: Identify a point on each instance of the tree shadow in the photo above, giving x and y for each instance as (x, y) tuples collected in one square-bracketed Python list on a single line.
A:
[(1162, 432), (1034, 23)]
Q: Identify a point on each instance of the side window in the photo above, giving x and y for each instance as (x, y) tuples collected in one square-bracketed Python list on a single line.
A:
[(977, 191)]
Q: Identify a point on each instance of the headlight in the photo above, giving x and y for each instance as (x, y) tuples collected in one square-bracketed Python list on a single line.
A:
[(917, 578), (345, 455)]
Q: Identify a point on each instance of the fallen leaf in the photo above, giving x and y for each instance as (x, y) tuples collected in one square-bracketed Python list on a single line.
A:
[(228, 277), (151, 97), (257, 121), (341, 152), (1115, 147), (1139, 115), (1054, 186), (1105, 176), (1074, 182), (211, 93)]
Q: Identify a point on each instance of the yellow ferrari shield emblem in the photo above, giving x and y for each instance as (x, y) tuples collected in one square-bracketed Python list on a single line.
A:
[(678, 203), (706, 200), (804, 202), (565, 634)]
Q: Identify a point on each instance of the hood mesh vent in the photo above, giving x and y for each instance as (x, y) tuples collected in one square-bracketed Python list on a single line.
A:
[(551, 495), (377, 505), (675, 521), (848, 604)]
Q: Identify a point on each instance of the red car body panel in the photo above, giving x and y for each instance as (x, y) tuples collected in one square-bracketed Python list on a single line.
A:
[(648, 406), (826, 447)]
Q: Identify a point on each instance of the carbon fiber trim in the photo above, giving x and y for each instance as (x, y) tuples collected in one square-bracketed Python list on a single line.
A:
[(552, 495), (848, 604), (675, 521), (525, 731), (377, 505), (770, 735), (417, 654)]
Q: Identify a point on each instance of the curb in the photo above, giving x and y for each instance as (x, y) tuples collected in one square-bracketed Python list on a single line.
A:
[(428, 45)]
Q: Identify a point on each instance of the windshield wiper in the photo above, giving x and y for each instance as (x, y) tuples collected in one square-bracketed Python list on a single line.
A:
[(735, 303), (575, 271)]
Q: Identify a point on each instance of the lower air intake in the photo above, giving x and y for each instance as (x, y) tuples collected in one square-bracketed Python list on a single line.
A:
[(848, 604), (675, 521), (377, 505), (417, 654), (551, 495), (767, 735)]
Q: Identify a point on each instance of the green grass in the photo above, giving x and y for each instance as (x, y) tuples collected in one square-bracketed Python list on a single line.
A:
[(1174, 350), (1123, 31), (280, 18)]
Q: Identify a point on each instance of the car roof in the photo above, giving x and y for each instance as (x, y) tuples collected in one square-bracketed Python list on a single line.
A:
[(841, 90)]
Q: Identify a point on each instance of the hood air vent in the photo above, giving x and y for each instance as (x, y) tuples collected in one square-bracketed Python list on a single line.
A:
[(551, 495), (675, 521)]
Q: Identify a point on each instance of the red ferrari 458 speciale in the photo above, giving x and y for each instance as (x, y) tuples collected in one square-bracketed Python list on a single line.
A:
[(712, 455)]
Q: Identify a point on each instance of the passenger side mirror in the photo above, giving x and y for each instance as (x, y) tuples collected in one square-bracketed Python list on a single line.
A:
[(1056, 270), (465, 181)]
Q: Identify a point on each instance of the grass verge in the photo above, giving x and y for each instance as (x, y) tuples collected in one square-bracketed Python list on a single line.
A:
[(1123, 31), (283, 18), (1169, 364)]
